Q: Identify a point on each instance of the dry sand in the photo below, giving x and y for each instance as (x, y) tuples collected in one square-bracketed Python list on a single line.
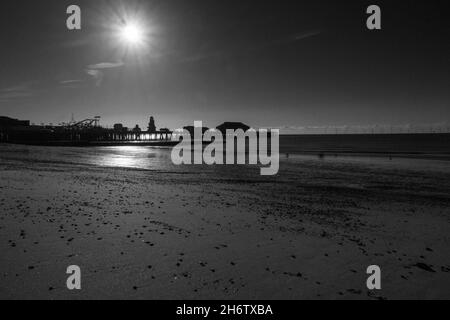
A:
[(225, 232)]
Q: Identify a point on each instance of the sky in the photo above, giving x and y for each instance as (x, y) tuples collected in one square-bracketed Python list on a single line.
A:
[(285, 64)]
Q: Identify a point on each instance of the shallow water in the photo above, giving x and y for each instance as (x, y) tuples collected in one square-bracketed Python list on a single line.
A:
[(437, 144), (159, 159)]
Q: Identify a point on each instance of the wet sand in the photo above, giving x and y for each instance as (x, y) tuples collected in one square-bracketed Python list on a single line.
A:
[(225, 232)]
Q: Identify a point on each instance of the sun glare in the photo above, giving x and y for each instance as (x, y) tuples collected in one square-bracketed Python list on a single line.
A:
[(132, 34)]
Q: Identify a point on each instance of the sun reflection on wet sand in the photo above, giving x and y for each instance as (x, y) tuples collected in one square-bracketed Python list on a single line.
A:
[(128, 157)]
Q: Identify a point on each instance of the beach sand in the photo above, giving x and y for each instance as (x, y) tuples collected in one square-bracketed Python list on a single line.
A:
[(225, 232)]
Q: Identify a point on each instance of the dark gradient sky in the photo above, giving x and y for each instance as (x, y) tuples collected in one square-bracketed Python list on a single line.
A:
[(273, 63)]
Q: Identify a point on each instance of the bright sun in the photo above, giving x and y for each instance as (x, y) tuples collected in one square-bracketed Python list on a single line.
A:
[(132, 34)]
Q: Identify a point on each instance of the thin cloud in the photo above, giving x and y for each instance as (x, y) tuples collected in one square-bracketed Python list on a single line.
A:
[(105, 65), (70, 81), (97, 73), (17, 92), (71, 84), (252, 47)]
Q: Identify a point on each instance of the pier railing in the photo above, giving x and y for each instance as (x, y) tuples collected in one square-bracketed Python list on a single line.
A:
[(36, 135), (134, 136)]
